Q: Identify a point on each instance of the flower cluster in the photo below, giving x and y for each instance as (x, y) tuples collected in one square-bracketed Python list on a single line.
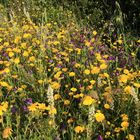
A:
[(77, 84)]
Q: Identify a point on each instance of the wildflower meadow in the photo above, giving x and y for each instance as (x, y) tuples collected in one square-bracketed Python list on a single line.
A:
[(69, 71)]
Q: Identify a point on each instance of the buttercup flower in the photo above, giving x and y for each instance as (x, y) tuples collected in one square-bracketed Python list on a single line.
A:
[(79, 129), (99, 117)]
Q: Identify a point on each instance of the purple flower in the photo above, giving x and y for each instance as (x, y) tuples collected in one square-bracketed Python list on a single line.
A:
[(91, 52), (63, 127), (59, 65), (100, 137), (14, 89), (25, 109), (28, 101), (50, 61), (73, 62), (13, 109), (111, 58)]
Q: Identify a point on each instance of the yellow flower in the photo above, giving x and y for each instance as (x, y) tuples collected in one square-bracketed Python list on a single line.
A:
[(42, 107), (87, 72), (16, 60), (1, 39), (70, 120), (1, 112), (17, 39), (52, 111), (66, 102), (87, 43), (124, 117), (88, 100), (64, 69), (24, 86), (1, 47), (124, 125), (6, 132), (133, 54), (73, 89), (25, 54), (6, 70), (79, 129), (51, 122), (123, 78), (6, 44), (76, 96), (137, 85), (71, 74), (49, 25), (128, 89), (98, 57), (93, 39), (92, 82), (108, 133), (4, 106), (99, 117), (27, 35), (95, 70), (106, 106), (117, 129), (32, 107), (94, 33), (130, 137), (103, 66), (23, 45), (120, 41), (57, 75), (57, 96), (4, 84), (32, 59), (125, 71), (55, 85), (16, 50), (77, 65), (40, 81), (56, 42), (90, 87), (106, 75), (71, 93), (105, 56), (11, 54), (85, 80)]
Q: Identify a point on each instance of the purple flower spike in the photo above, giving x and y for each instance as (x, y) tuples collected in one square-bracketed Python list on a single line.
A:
[(100, 137)]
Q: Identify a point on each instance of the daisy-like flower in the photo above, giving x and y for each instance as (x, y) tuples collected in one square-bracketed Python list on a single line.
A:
[(79, 129), (99, 117), (88, 100), (6, 132)]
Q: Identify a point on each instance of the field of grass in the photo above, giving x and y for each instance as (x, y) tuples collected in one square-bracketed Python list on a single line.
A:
[(62, 80)]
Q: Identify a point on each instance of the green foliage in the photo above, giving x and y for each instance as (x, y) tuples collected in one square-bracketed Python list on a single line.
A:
[(86, 11)]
